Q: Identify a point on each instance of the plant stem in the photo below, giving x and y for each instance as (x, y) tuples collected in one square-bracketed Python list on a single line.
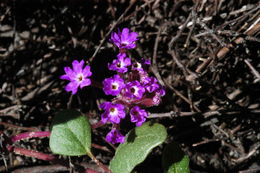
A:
[(97, 125), (32, 153), (46, 157), (105, 168), (28, 135), (91, 171)]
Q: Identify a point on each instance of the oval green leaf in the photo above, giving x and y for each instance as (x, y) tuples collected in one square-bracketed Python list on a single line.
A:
[(174, 160), (139, 142), (70, 134)]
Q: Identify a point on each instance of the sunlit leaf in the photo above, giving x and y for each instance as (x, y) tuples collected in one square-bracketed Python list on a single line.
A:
[(70, 134), (139, 142)]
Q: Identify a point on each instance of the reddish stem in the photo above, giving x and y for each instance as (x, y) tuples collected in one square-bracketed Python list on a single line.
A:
[(97, 125), (43, 156), (91, 171), (105, 168), (32, 153), (28, 135), (100, 147)]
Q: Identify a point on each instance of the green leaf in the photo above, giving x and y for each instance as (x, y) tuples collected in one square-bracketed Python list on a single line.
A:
[(70, 134), (174, 160), (139, 142)]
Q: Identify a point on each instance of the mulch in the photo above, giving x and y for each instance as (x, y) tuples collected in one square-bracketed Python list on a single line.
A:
[(205, 53)]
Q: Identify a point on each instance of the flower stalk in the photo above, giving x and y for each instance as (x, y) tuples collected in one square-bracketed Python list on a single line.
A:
[(28, 135)]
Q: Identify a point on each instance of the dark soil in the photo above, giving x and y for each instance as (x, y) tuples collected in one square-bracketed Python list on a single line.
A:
[(205, 53)]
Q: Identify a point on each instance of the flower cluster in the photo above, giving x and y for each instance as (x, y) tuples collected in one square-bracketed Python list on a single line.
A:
[(132, 87)]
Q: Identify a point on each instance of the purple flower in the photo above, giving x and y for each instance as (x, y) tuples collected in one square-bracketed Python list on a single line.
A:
[(113, 85), (145, 63), (124, 39), (152, 99), (152, 84), (141, 67), (134, 90), (157, 96), (113, 112), (144, 77), (120, 64), (137, 67), (78, 76), (161, 91), (138, 115), (114, 136)]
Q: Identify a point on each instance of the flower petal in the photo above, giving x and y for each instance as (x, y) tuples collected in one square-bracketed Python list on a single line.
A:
[(72, 86), (65, 77), (124, 35), (127, 61), (114, 136), (70, 72), (77, 66), (105, 105), (132, 37), (115, 119), (85, 82), (86, 71), (115, 37)]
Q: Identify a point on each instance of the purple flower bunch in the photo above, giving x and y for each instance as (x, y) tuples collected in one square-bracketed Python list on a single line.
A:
[(132, 87)]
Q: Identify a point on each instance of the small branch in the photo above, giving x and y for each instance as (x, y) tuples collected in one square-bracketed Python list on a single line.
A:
[(251, 170), (178, 93), (194, 16), (174, 39), (205, 142), (257, 75), (171, 114), (178, 62), (11, 111), (249, 154), (204, 64), (241, 17), (28, 135), (18, 127), (154, 67), (211, 32), (111, 29), (224, 50), (205, 114), (156, 45)]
